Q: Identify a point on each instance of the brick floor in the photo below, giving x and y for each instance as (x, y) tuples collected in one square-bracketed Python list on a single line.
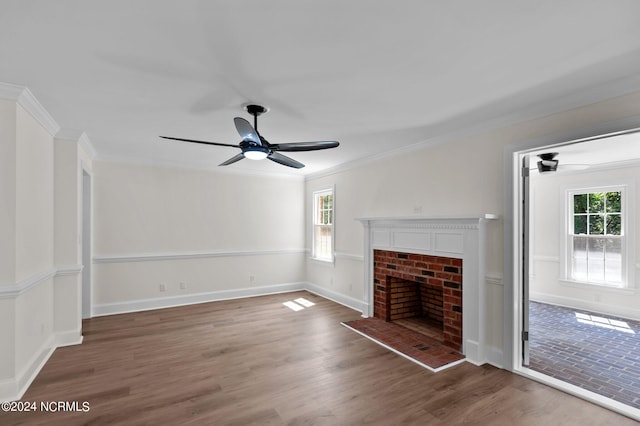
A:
[(424, 349), (597, 352)]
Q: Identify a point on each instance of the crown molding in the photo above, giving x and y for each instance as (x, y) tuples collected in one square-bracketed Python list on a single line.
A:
[(482, 120), (85, 143), (23, 97), (80, 138)]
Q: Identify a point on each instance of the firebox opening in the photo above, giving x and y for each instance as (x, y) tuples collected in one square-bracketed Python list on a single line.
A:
[(417, 306)]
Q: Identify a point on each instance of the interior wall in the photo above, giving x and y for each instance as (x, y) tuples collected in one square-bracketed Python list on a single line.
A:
[(213, 232), (34, 237), (34, 197), (437, 181), (547, 235), (7, 192), (28, 204), (463, 177), (30, 298)]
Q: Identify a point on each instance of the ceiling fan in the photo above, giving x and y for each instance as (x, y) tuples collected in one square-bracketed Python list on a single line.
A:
[(255, 147), (549, 163)]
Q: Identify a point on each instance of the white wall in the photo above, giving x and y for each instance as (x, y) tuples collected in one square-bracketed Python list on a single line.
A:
[(31, 301), (463, 177), (216, 232), (439, 181), (7, 192), (548, 216)]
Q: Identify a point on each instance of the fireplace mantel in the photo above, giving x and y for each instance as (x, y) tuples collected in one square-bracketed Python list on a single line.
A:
[(462, 237)]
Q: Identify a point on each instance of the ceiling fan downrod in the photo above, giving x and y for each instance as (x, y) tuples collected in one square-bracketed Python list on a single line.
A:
[(255, 110)]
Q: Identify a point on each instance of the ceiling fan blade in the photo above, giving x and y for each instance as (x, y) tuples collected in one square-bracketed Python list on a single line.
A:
[(202, 142), (246, 131), (233, 159), (284, 160), (303, 146)]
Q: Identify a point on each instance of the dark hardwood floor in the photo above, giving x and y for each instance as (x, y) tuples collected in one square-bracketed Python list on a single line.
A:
[(255, 361)]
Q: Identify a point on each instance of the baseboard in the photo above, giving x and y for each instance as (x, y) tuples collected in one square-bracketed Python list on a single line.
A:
[(68, 338), (213, 296), (349, 302), (495, 356), (191, 299), (13, 389), (596, 307)]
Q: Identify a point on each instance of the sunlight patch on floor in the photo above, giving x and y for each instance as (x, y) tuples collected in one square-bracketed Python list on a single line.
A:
[(298, 304), (604, 322)]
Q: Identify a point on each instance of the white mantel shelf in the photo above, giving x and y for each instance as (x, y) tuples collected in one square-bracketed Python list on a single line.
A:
[(462, 237), (487, 216)]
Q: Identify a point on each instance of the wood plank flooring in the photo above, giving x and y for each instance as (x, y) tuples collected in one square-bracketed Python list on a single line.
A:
[(255, 361)]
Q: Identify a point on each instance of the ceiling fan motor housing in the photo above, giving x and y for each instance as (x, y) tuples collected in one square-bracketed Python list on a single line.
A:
[(547, 162), (255, 110)]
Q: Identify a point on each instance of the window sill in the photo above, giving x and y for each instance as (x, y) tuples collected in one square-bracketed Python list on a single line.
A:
[(596, 286), (323, 260)]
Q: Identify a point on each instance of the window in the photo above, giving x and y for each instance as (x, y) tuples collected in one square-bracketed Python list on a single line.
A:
[(597, 236), (323, 206)]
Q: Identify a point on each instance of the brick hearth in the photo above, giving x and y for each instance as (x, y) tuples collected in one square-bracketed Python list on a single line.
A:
[(430, 272)]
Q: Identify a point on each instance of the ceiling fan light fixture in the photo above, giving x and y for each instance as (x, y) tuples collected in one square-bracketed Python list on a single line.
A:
[(256, 153)]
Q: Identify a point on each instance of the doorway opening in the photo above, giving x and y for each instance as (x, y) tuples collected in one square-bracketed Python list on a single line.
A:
[(576, 330)]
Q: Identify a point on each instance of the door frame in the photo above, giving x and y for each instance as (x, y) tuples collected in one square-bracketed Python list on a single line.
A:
[(514, 252), (87, 241)]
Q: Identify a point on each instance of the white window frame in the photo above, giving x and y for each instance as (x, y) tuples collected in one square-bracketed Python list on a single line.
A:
[(626, 235), (314, 251)]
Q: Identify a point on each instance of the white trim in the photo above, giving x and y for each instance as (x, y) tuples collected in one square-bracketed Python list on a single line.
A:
[(433, 221), (433, 370), (85, 144), (150, 257), (331, 190), (68, 338), (626, 186), (214, 296), (494, 356), (597, 286), (190, 299), (13, 389), (579, 392), (349, 256), (549, 259), (484, 120), (587, 305), (69, 270), (23, 97), (348, 301), (22, 286), (494, 279)]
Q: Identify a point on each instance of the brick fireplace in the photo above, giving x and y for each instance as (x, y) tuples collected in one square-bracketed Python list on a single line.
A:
[(410, 285), (431, 251)]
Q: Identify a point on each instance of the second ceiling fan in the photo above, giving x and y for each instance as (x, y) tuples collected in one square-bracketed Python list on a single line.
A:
[(255, 147)]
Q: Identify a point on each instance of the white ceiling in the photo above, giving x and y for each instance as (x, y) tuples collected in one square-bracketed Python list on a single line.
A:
[(375, 75)]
